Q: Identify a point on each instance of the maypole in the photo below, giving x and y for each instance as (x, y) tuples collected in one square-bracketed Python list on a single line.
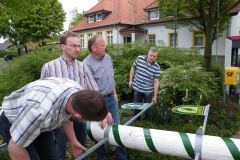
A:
[(166, 142)]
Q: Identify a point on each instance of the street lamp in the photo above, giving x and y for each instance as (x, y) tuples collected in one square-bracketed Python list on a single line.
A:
[(145, 33)]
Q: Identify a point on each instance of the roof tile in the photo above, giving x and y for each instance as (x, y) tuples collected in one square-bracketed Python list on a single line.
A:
[(121, 13)]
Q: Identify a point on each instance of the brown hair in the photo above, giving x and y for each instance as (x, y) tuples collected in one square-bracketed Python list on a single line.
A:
[(90, 104), (65, 36), (92, 40)]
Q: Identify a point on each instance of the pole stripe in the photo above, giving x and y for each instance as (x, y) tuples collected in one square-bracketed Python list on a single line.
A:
[(117, 135), (232, 148), (148, 139), (89, 132), (187, 144)]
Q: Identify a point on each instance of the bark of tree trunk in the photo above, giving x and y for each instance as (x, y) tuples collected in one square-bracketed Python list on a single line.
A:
[(209, 35), (208, 47), (26, 50), (19, 52)]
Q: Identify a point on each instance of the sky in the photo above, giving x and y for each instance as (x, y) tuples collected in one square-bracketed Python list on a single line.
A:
[(69, 5)]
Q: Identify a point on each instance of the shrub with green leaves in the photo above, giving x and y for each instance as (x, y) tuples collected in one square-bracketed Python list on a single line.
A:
[(23, 70), (188, 83)]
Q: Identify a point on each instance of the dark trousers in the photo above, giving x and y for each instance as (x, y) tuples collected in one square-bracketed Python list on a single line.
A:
[(80, 129), (120, 151), (41, 148), (140, 98)]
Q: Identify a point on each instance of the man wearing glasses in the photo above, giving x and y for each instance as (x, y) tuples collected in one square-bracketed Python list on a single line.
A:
[(67, 66)]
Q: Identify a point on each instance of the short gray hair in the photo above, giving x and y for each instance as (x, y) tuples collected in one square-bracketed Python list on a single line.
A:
[(153, 49)]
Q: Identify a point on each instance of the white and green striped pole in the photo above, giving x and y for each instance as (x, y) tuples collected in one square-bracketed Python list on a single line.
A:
[(167, 142)]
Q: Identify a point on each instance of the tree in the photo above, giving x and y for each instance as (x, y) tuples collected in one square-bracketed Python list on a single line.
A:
[(37, 24), (204, 15), (17, 7), (76, 17)]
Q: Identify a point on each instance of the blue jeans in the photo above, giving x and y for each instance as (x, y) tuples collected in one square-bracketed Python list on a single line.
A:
[(41, 148), (120, 151), (80, 129), (140, 98)]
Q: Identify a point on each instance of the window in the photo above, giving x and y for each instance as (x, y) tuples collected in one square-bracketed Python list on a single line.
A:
[(89, 35), (90, 19), (151, 38), (172, 39), (127, 40), (99, 33), (198, 39), (99, 17), (154, 15), (82, 40), (109, 37)]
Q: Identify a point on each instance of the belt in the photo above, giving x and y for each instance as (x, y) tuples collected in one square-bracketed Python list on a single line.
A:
[(107, 95)]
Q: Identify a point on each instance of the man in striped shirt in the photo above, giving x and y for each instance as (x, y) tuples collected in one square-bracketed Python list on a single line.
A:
[(30, 113), (101, 66), (143, 79), (67, 66)]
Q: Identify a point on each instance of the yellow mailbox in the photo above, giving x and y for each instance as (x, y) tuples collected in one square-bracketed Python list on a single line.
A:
[(232, 75)]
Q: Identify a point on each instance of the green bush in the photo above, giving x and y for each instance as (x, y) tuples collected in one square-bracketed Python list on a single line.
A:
[(162, 113), (4, 154), (3, 53), (188, 83), (23, 70)]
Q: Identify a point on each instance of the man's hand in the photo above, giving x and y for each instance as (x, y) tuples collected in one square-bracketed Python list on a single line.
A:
[(154, 100), (77, 148), (107, 120), (130, 84)]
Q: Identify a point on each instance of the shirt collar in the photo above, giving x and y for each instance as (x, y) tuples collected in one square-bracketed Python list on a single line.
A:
[(96, 58), (65, 61)]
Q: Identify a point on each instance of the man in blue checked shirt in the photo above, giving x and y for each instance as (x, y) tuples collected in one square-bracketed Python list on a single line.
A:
[(143, 79), (30, 113), (101, 66)]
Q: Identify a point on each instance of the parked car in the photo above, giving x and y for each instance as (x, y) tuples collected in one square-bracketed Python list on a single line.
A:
[(8, 57)]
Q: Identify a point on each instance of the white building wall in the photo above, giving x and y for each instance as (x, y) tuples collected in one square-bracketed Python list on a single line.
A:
[(235, 25), (218, 47), (184, 39)]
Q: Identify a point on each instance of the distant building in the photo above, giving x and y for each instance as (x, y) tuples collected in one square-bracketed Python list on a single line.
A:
[(119, 21)]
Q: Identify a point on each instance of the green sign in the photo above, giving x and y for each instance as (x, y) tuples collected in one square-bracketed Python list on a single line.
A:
[(139, 106), (189, 109)]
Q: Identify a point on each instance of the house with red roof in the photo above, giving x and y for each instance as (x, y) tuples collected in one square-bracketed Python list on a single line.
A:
[(122, 21)]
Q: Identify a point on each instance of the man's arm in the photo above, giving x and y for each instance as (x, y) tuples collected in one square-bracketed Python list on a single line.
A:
[(115, 94), (130, 84), (156, 86), (108, 119), (91, 83), (77, 148), (44, 72), (17, 152)]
